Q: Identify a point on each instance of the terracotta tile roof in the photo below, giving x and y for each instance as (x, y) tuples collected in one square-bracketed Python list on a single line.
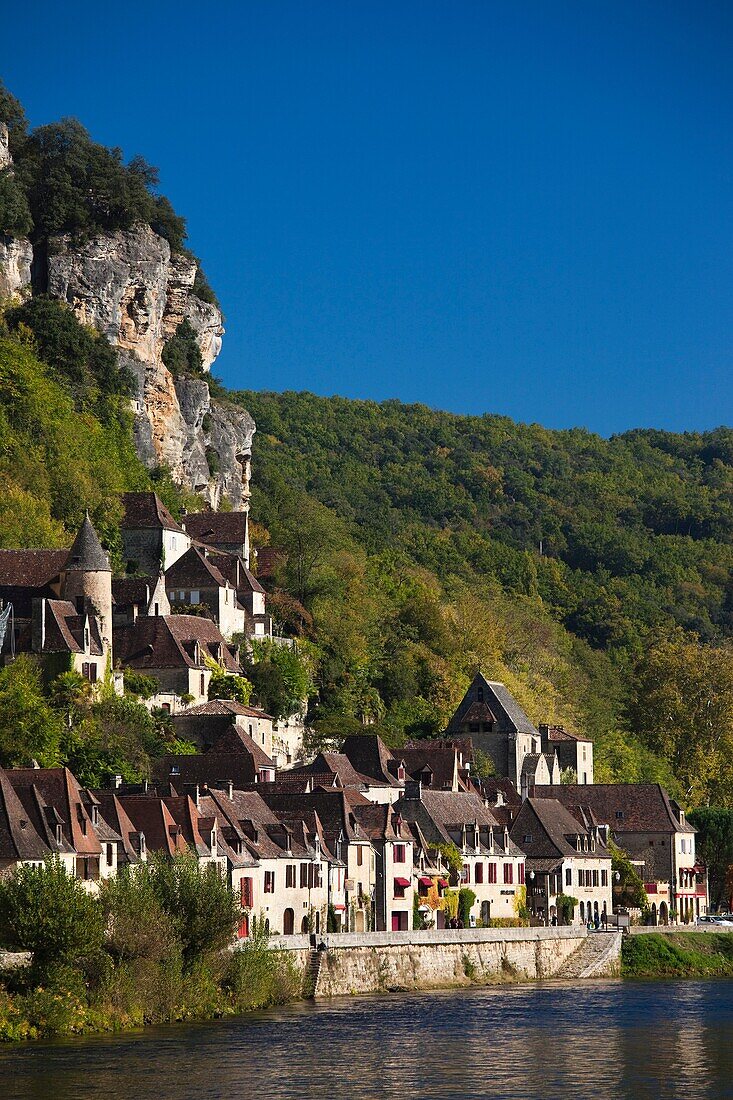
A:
[(552, 829), (150, 816), (440, 759), (209, 769), (334, 765), (331, 806), (30, 568), (144, 510), (377, 821), (269, 558), (236, 740), (117, 818), (625, 807), (217, 527)]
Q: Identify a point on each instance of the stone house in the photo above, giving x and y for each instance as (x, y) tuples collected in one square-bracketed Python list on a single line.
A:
[(135, 596), (225, 531), (194, 581), (492, 864), (654, 832), (20, 841), (572, 750), (496, 724), (563, 857), (345, 838), (441, 765), (208, 723), (289, 888), (180, 652), (152, 539)]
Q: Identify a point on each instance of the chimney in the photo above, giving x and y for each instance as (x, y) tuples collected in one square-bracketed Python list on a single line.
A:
[(413, 790), (117, 782), (38, 629), (230, 790)]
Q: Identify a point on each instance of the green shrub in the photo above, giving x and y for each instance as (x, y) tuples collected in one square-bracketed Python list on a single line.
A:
[(181, 354), (15, 215)]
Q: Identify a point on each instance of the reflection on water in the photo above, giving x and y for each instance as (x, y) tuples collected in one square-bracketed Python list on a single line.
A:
[(602, 1040)]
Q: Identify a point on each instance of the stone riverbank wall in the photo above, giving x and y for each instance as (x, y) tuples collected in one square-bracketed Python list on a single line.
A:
[(395, 961)]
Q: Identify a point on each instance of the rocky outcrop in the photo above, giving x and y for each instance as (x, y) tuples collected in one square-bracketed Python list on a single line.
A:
[(129, 286), (16, 255)]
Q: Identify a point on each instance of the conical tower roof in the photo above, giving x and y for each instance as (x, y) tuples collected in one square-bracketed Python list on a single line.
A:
[(87, 555)]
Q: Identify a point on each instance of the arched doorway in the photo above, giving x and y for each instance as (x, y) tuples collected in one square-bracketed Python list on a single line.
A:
[(654, 913), (304, 926), (485, 913), (663, 913), (582, 912), (288, 922), (318, 922)]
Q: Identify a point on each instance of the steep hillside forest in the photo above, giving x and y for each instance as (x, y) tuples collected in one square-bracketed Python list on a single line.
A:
[(593, 576)]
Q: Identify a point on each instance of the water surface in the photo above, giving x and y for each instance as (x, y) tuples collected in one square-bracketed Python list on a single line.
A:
[(602, 1040)]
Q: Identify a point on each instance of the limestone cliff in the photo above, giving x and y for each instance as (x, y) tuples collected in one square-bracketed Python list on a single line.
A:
[(128, 285)]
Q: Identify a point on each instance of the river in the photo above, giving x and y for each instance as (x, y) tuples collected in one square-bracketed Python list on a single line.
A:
[(606, 1040)]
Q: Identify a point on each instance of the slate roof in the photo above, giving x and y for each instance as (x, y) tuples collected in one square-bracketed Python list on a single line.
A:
[(331, 764), (377, 821), (86, 554), (129, 590), (646, 807), (217, 527), (440, 759), (144, 510), (30, 568), (19, 839), (168, 641), (194, 570), (209, 769), (64, 629), (59, 789), (552, 828), (332, 807), (499, 703)]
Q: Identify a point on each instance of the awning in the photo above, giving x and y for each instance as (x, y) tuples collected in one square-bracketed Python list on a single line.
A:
[(402, 882), (425, 881), (443, 882), (337, 906)]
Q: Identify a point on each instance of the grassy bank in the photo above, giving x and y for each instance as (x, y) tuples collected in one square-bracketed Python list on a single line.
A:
[(678, 955)]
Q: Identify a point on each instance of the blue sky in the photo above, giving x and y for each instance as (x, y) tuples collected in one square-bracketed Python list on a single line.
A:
[(487, 207)]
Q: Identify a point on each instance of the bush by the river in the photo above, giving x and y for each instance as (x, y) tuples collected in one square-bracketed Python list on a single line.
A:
[(152, 947), (678, 955)]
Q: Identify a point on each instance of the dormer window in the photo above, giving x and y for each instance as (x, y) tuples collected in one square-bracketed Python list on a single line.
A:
[(95, 815), (619, 815), (400, 772), (142, 844), (59, 834)]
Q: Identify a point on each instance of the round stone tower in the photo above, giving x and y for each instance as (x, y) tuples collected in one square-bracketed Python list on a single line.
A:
[(87, 576)]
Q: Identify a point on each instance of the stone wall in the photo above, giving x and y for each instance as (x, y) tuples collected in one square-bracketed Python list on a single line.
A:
[(391, 961)]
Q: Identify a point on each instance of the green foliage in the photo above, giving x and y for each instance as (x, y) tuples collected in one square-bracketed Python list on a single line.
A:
[(118, 736), (137, 683), (181, 353), (15, 215), (46, 911), (13, 115), (453, 859), (280, 676), (714, 845), (483, 765), (30, 729), (258, 976), (198, 901), (466, 898), (225, 685), (80, 356)]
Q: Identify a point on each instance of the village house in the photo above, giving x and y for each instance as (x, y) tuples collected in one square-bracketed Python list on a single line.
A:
[(382, 773), (69, 820), (62, 606), (492, 864), (180, 651), (194, 585), (494, 721), (574, 753), (291, 886), (345, 839), (20, 841), (564, 858), (392, 843), (224, 531), (654, 832), (234, 758), (442, 765)]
